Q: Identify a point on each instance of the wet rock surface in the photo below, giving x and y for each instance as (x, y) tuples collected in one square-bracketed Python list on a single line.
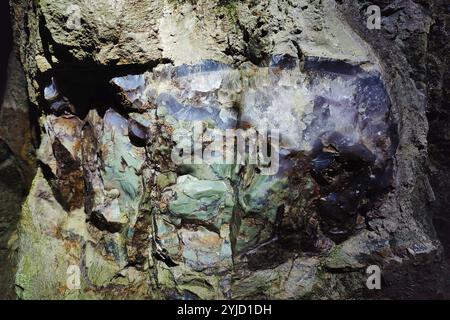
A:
[(122, 195)]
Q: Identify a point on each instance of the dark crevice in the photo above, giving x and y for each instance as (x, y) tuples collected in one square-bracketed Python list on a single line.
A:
[(253, 46), (89, 87), (99, 221), (193, 224), (438, 114), (86, 84), (7, 42)]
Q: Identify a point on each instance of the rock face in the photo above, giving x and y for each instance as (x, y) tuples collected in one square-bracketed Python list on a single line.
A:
[(218, 150)]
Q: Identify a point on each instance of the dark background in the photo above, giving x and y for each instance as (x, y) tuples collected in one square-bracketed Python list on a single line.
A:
[(5, 43)]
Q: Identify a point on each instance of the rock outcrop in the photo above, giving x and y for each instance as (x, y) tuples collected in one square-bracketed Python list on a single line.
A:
[(135, 190)]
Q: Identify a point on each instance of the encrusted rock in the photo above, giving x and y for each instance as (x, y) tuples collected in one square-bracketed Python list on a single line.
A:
[(141, 190)]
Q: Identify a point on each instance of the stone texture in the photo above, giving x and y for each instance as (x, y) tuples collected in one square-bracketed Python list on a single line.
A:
[(119, 92), (17, 165)]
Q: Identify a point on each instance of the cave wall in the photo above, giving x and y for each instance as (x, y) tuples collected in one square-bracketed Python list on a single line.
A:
[(410, 43), (62, 218)]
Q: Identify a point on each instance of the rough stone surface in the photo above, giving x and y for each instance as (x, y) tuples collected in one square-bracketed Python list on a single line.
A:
[(118, 85)]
